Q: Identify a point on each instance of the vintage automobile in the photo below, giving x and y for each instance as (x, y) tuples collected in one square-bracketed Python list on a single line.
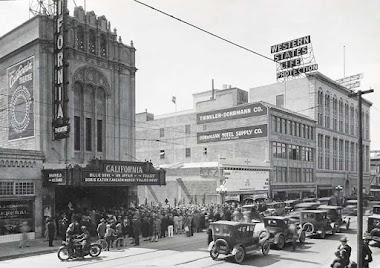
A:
[(373, 228), (376, 209), (351, 207), (296, 213), (316, 222), (280, 231), (237, 239), (275, 209), (334, 213), (290, 204), (253, 209), (329, 201), (310, 200)]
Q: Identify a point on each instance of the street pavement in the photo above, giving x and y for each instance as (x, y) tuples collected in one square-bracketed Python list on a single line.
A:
[(182, 251)]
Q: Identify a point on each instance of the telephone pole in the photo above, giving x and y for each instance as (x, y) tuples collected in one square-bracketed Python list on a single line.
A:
[(359, 94)]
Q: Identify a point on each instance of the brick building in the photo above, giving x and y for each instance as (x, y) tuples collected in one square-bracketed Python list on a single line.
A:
[(227, 140), (327, 102)]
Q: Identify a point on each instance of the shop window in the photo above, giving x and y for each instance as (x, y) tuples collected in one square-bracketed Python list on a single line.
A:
[(188, 152), (77, 133), (88, 134), (162, 154), (99, 140), (6, 188), (24, 188)]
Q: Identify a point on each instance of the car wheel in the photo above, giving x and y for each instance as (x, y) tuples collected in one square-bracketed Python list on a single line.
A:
[(323, 233), (240, 254), (265, 248), (280, 242), (302, 238), (214, 252), (308, 227)]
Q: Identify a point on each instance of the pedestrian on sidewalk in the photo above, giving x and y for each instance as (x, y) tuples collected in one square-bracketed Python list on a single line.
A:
[(345, 251), (367, 254), (24, 238), (170, 225), (338, 261), (137, 229), (51, 231)]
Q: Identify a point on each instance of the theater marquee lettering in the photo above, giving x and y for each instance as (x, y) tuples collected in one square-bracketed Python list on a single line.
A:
[(249, 132), (120, 178), (255, 109)]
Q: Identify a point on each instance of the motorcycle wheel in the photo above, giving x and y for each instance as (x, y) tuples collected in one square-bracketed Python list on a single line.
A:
[(63, 254), (95, 250)]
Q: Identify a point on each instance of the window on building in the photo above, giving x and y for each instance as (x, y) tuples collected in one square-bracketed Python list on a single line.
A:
[(327, 110), (335, 113), (352, 116), (346, 155), (205, 150), (103, 46), (366, 126), (80, 38), (99, 126), (320, 108), (352, 156), (92, 42), (289, 127), (162, 132), (88, 134), (24, 188), (6, 188), (294, 152), (188, 152), (283, 126), (77, 133), (311, 129), (280, 174), (346, 118), (320, 151), (340, 115), (303, 135), (307, 132), (280, 100), (279, 150), (297, 133), (278, 125), (327, 152), (162, 154), (274, 123), (308, 175), (187, 129), (335, 154), (340, 154), (294, 129)]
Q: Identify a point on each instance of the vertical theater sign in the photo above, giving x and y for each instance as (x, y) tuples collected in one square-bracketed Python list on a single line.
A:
[(20, 99), (61, 125), (294, 58)]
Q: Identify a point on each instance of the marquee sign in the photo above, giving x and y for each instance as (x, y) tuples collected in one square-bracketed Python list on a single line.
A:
[(254, 109), (294, 58), (248, 132), (20, 99), (61, 125), (54, 177)]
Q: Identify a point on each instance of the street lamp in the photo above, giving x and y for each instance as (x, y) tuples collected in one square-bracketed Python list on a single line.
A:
[(338, 189), (222, 190)]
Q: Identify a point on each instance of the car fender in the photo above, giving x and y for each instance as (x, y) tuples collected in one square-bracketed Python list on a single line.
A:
[(264, 234), (212, 243), (234, 250), (276, 237)]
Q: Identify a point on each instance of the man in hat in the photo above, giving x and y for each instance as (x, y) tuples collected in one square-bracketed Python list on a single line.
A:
[(101, 230), (345, 251), (367, 253)]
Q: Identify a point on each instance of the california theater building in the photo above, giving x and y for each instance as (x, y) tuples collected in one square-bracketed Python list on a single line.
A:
[(67, 110)]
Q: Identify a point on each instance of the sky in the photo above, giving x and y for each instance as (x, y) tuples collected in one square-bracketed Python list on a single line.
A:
[(174, 59)]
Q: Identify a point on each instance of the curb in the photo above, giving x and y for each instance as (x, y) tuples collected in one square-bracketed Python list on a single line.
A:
[(27, 254)]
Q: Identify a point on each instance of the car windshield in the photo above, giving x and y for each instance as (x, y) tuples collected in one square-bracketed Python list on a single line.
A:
[(224, 230)]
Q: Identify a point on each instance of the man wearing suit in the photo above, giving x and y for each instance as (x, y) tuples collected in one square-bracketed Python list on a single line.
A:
[(136, 229), (51, 232)]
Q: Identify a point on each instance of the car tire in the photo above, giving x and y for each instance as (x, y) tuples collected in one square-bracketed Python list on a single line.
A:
[(265, 248), (323, 233), (280, 242), (214, 253), (239, 255), (302, 238)]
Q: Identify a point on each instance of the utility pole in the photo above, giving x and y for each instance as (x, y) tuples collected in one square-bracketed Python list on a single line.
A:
[(359, 94)]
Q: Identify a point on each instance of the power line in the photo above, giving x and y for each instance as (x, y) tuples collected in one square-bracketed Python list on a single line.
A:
[(205, 31)]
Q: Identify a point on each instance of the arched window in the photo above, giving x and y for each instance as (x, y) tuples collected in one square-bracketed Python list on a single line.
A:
[(103, 46), (92, 42), (346, 118), (89, 117), (320, 107), (327, 110), (340, 115), (352, 116), (100, 119), (335, 113), (78, 120), (367, 125), (80, 38)]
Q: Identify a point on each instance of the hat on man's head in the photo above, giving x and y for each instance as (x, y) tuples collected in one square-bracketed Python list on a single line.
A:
[(343, 239)]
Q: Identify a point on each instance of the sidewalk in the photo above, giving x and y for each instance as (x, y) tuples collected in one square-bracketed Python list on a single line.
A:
[(11, 250)]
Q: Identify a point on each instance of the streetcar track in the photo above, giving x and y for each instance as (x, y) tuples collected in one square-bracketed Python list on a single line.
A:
[(138, 254)]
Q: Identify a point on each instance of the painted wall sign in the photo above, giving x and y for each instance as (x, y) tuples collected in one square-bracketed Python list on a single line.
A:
[(350, 82), (20, 99), (254, 109), (61, 125), (246, 180), (248, 132), (16, 209)]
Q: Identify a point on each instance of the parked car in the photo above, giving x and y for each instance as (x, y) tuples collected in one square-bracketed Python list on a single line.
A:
[(254, 212), (275, 209), (290, 204), (296, 213), (279, 230), (376, 209), (310, 200), (373, 228), (237, 239), (334, 213), (316, 222), (351, 208), (329, 201)]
